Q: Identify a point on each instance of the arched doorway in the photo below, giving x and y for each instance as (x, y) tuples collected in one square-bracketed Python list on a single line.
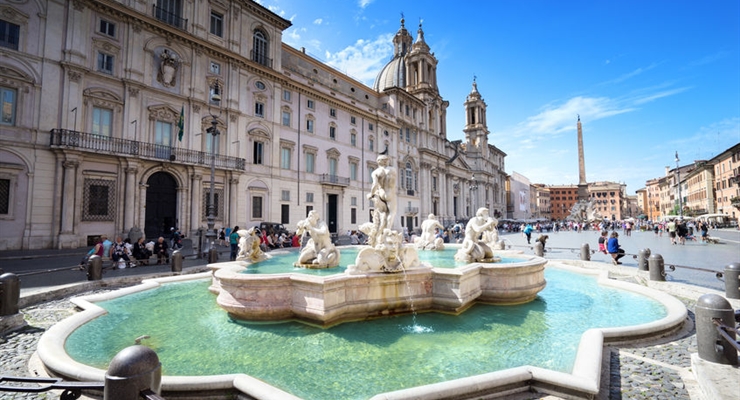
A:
[(161, 205)]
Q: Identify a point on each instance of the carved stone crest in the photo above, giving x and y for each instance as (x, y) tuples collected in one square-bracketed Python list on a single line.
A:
[(168, 66)]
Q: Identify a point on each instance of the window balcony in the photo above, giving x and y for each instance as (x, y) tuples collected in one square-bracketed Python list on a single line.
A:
[(411, 210), (261, 58), (169, 17), (328, 179), (87, 142)]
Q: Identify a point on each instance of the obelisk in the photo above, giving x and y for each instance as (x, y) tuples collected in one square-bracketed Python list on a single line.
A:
[(582, 184)]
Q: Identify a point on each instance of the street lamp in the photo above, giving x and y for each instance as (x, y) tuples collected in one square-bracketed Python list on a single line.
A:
[(211, 218), (474, 193), (678, 179)]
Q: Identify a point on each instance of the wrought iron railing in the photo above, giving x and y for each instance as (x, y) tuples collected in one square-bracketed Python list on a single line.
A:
[(169, 17), (261, 58), (411, 210), (334, 180), (64, 138)]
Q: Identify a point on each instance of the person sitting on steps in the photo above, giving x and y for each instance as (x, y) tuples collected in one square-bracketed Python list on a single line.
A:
[(616, 251)]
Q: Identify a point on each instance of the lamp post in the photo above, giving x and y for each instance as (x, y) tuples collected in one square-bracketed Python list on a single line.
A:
[(678, 181), (211, 218), (474, 193)]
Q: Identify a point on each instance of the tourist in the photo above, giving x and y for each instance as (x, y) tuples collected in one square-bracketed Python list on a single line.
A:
[(682, 231), (160, 249), (602, 241), (528, 233), (118, 251), (671, 228), (141, 253), (222, 236), (704, 228), (613, 247), (234, 242)]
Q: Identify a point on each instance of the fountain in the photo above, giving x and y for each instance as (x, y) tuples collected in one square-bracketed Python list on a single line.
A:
[(386, 280), (387, 277)]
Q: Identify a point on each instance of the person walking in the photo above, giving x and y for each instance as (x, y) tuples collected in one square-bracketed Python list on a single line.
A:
[(528, 233), (671, 228), (234, 242), (613, 247)]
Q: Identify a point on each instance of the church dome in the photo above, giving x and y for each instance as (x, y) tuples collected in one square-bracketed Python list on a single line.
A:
[(394, 73)]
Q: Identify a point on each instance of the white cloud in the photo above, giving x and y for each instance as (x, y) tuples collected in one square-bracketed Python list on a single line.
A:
[(363, 59), (555, 119), (655, 96), (364, 3), (318, 21)]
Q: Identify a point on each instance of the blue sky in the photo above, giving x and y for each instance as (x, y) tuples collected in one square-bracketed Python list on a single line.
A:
[(648, 78)]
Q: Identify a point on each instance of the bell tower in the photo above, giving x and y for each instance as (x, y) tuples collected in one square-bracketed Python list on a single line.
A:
[(476, 129)]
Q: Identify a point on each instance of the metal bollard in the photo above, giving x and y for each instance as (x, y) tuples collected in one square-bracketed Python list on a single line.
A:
[(212, 255), (657, 268), (712, 346), (10, 293), (95, 268), (642, 259), (732, 281), (539, 249), (133, 370), (585, 252), (176, 262)]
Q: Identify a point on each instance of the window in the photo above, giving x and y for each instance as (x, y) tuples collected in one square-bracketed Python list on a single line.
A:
[(353, 171), (259, 109), (310, 163), (213, 143), (215, 68), (333, 133), (170, 11), (285, 195), (309, 197), (286, 95), (285, 158), (353, 215), (309, 125), (163, 133), (102, 122), (408, 135), (256, 207), (99, 200), (333, 112), (286, 118), (371, 144), (352, 120), (105, 63), (217, 24), (285, 213), (107, 28), (333, 167), (4, 197), (353, 139), (407, 109), (258, 151), (218, 202), (370, 126), (7, 106), (9, 35), (259, 85), (409, 177), (434, 183), (259, 50), (309, 104)]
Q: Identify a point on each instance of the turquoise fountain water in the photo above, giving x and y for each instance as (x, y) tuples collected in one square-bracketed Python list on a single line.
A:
[(193, 336)]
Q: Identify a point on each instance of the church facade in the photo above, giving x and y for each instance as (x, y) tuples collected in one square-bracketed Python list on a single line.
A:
[(124, 116)]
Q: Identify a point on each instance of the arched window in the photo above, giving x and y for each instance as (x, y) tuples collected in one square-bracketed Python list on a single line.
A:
[(259, 48)]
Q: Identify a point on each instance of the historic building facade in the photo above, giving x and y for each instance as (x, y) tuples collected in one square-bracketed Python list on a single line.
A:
[(124, 116)]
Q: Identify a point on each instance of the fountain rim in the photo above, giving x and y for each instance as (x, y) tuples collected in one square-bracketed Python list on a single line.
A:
[(584, 378)]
